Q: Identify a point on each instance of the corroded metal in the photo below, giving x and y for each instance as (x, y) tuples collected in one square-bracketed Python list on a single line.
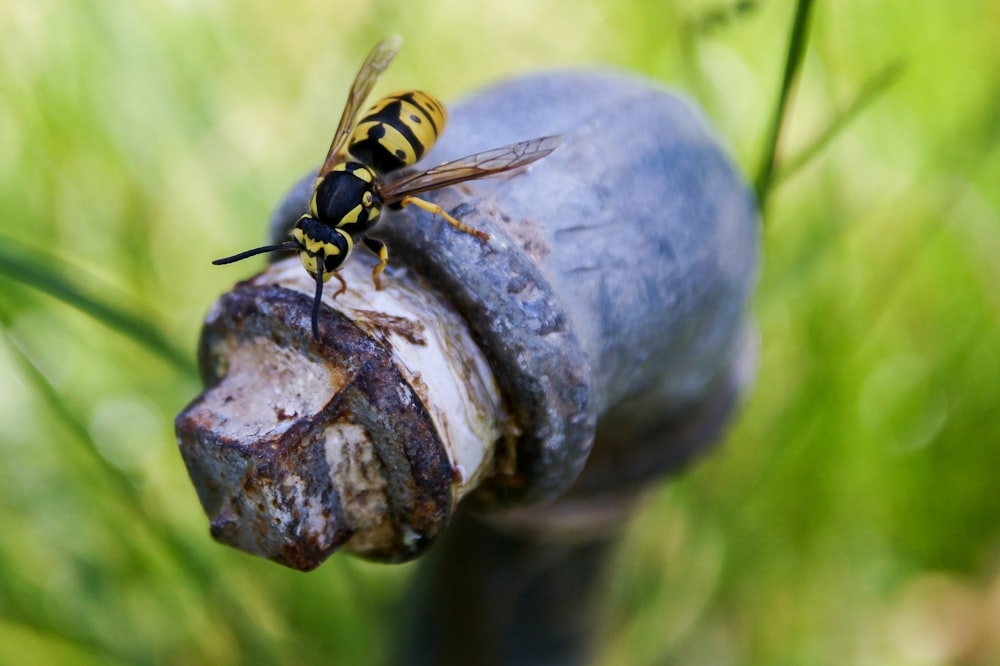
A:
[(615, 283), (608, 305), (298, 447)]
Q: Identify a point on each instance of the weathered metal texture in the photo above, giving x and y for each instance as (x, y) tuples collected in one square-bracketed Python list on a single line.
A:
[(298, 447), (614, 285), (610, 301)]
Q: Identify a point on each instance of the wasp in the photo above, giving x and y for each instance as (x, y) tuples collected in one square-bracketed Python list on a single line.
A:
[(365, 170)]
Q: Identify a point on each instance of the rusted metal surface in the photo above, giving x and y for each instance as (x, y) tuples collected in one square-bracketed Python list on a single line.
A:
[(648, 236), (299, 447), (615, 283), (608, 304)]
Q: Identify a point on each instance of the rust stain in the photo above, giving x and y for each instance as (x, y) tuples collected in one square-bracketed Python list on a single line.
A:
[(410, 330)]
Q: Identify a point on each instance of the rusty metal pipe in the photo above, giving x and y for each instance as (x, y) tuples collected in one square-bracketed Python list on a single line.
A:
[(609, 304)]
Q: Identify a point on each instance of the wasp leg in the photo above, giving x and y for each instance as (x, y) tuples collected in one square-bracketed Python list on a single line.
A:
[(343, 285), (437, 210), (378, 248)]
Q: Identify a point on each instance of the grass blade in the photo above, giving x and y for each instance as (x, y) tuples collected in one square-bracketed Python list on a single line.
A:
[(869, 92), (190, 561), (797, 41), (35, 273)]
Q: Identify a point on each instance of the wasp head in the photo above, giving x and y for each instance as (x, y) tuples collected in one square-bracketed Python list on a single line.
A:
[(322, 249)]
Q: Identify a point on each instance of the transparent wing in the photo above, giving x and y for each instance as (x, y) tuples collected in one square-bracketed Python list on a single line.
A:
[(371, 70), (480, 165)]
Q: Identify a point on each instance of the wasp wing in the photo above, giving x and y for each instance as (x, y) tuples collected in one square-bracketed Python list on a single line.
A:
[(371, 70), (481, 165)]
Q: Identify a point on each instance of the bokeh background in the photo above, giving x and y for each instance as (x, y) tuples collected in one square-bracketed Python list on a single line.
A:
[(851, 516)]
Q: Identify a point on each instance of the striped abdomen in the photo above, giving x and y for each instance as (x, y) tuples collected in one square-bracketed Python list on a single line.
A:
[(397, 131)]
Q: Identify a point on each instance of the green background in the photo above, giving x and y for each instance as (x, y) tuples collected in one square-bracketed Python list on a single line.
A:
[(850, 517)]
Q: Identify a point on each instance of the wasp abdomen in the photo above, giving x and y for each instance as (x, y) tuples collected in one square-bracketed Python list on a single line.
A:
[(397, 130)]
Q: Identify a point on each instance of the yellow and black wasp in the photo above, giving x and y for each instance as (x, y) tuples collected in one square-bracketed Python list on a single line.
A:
[(362, 173)]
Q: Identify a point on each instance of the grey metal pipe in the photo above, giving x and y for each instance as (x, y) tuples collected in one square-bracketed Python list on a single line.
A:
[(609, 302)]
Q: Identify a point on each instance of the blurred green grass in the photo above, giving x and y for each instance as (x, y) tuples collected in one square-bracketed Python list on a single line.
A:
[(851, 516)]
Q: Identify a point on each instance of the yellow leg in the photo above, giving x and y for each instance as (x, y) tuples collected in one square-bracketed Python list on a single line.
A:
[(378, 249), (437, 210), (343, 285)]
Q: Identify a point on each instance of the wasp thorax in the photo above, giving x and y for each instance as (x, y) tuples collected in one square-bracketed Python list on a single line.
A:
[(315, 240), (346, 198)]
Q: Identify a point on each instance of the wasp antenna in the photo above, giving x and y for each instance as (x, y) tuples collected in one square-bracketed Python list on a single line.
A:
[(287, 245), (319, 296)]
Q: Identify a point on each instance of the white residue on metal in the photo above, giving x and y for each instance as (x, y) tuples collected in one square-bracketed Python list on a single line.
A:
[(291, 505), (357, 477), (239, 404), (432, 348)]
